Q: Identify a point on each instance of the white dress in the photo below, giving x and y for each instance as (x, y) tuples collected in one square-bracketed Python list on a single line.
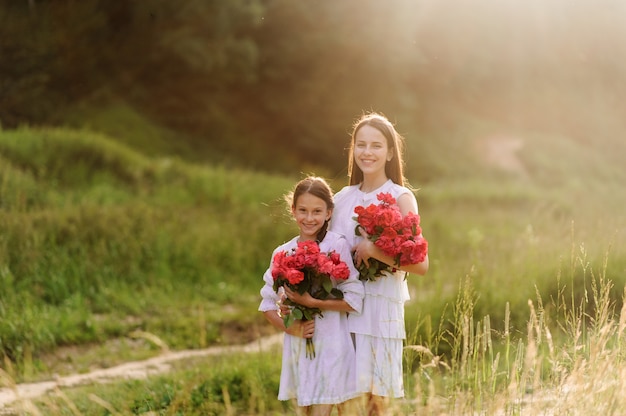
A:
[(330, 377), (379, 330)]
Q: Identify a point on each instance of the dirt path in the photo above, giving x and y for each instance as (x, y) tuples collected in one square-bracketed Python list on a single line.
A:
[(131, 370)]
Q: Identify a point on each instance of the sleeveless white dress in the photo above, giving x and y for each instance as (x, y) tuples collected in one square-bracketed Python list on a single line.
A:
[(379, 330)]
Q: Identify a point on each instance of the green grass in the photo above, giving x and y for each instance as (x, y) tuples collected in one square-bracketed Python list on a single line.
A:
[(550, 366), (212, 386), (99, 242), (100, 233), (115, 118)]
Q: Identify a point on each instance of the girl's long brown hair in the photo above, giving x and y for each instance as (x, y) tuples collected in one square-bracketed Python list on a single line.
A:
[(394, 169)]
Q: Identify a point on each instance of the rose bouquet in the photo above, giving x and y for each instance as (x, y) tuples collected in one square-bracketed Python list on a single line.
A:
[(397, 236), (306, 269)]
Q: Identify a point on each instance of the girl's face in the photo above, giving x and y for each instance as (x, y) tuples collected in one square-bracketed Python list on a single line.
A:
[(310, 213), (371, 152)]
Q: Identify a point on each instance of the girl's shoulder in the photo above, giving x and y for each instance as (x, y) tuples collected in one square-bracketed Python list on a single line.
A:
[(397, 190), (346, 191), (286, 246), (333, 236), (333, 239)]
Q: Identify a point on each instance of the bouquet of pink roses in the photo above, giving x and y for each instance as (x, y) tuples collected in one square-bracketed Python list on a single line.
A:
[(397, 236), (306, 269)]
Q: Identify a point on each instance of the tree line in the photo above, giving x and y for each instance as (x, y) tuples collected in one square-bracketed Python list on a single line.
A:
[(277, 83)]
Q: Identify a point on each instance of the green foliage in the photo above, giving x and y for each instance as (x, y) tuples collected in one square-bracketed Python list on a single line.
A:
[(487, 371), (102, 237), (67, 159), (177, 250), (92, 232), (276, 85), (240, 384), (98, 240), (118, 119), (19, 189)]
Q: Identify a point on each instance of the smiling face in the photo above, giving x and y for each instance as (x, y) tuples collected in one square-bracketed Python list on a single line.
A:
[(371, 151), (310, 213), (370, 127)]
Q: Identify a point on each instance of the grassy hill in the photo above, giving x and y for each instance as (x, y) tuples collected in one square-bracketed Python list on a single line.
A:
[(89, 222), (100, 242)]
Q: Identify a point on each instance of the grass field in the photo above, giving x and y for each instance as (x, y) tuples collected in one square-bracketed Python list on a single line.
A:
[(520, 312)]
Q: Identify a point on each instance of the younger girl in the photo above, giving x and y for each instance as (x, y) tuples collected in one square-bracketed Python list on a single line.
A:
[(375, 165), (329, 378)]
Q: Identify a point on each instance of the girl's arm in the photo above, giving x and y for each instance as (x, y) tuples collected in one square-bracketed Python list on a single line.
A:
[(270, 301), (324, 304), (299, 328), (366, 249)]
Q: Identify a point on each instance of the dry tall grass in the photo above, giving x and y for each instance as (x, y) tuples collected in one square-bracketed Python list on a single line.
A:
[(579, 371)]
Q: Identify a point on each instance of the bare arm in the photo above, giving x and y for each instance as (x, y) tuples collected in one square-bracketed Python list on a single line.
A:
[(299, 328), (324, 304), (366, 249)]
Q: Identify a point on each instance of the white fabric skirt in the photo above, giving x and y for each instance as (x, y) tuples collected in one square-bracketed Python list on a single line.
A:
[(329, 378), (379, 365)]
